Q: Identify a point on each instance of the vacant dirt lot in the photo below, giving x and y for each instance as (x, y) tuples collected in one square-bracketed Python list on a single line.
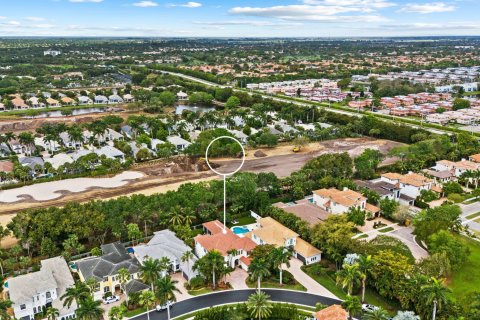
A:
[(162, 176)]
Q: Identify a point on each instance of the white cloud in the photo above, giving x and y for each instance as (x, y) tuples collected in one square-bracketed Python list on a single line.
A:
[(378, 4), (433, 7), (145, 4), (249, 23), (13, 23), (44, 26), (191, 4), (3, 17), (292, 11), (81, 1), (36, 19)]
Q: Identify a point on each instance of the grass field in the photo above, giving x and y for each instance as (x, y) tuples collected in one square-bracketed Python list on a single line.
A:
[(275, 284), (133, 313), (242, 221), (467, 279), (386, 230), (473, 216)]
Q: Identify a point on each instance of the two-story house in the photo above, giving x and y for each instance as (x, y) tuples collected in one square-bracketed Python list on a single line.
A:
[(166, 244), (341, 201), (32, 292), (411, 185), (104, 269), (234, 249), (270, 231)]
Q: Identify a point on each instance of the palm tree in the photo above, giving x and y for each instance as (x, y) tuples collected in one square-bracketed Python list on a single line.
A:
[(186, 257), (258, 269), (282, 256), (117, 312), (377, 314), (147, 300), (92, 285), (151, 270), (89, 309), (349, 277), (52, 313), (27, 139), (176, 217), (215, 260), (259, 306), (123, 277), (231, 253), (435, 292), (78, 293), (75, 134), (166, 292), (365, 264), (352, 305), (165, 264)]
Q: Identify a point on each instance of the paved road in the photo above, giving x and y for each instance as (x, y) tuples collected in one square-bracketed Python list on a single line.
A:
[(406, 236), (468, 209), (236, 296)]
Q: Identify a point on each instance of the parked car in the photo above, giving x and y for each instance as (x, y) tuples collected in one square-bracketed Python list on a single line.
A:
[(369, 307), (163, 307), (111, 299)]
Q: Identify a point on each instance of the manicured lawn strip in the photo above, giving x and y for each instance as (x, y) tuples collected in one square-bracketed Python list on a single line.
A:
[(135, 312), (363, 236), (204, 290), (276, 285), (386, 229), (371, 296), (473, 215), (467, 279)]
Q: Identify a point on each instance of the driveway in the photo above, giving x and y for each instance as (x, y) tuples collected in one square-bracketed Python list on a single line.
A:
[(107, 307), (237, 296), (237, 279), (183, 295), (306, 281), (406, 235)]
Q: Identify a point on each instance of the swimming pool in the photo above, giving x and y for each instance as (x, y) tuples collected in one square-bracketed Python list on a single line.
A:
[(240, 230)]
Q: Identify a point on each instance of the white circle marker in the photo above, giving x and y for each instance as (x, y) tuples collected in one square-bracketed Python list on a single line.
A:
[(224, 175)]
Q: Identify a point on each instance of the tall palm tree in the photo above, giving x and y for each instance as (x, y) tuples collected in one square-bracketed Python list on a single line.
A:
[(75, 134), (165, 264), (377, 314), (89, 309), (176, 216), (259, 306), (27, 139), (147, 300), (349, 277), (231, 253), (166, 292), (78, 293), (151, 270), (92, 285), (123, 278), (215, 260), (365, 264), (186, 257), (52, 313), (352, 305), (258, 269), (117, 312), (282, 256), (435, 292)]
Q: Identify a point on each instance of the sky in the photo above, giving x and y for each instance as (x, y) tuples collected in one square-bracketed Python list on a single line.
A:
[(239, 18)]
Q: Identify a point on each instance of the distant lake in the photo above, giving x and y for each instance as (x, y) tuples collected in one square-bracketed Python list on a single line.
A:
[(58, 113), (179, 109)]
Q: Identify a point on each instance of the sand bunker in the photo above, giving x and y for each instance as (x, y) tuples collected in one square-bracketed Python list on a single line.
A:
[(55, 189)]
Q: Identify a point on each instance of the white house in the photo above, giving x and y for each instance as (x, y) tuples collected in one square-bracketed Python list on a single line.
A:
[(182, 95), (166, 244), (100, 100), (336, 202), (178, 142), (410, 184), (84, 100), (115, 98), (32, 292)]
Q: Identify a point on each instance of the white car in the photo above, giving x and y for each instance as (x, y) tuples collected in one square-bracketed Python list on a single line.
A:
[(111, 299), (164, 307), (369, 307)]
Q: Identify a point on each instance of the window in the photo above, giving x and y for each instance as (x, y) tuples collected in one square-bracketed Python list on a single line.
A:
[(49, 295), (106, 289), (23, 307)]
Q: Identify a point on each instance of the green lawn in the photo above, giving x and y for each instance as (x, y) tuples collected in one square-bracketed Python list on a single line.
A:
[(133, 313), (204, 290), (386, 230), (276, 284), (467, 279), (242, 221), (371, 296)]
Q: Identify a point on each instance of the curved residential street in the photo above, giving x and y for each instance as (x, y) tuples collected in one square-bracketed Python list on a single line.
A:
[(237, 296)]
